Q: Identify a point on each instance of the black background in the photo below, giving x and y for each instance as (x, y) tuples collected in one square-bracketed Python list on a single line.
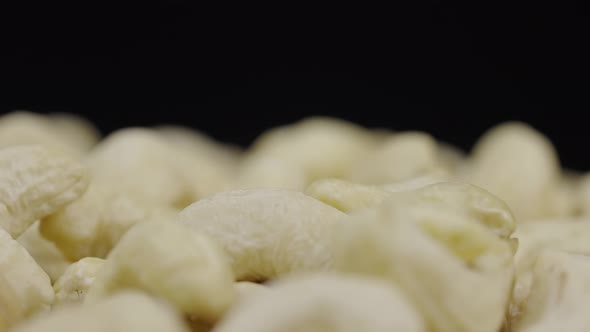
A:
[(450, 68)]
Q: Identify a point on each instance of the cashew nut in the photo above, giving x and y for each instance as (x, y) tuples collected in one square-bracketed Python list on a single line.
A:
[(35, 182), (447, 246), (268, 172), (266, 232), (170, 261), (126, 311), (25, 289), (327, 303), (74, 283)]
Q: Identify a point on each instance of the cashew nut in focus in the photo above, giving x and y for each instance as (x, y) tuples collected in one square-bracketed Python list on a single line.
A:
[(36, 182), (267, 232), (73, 284), (170, 261), (123, 312), (559, 294), (25, 289), (447, 246), (325, 302)]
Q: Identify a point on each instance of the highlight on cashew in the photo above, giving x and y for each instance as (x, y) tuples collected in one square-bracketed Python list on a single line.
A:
[(25, 289), (170, 261), (325, 302), (266, 232), (447, 246), (127, 311)]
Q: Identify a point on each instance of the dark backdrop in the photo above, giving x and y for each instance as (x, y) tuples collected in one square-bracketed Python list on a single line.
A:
[(453, 69)]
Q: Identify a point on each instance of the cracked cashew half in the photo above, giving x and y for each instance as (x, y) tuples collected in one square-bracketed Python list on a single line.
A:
[(325, 302), (170, 261), (25, 289), (559, 294), (73, 285), (127, 311), (35, 182), (519, 165), (266, 232), (447, 246)]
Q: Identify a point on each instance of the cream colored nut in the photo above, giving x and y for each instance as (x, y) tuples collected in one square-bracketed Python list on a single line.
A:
[(323, 147), (73, 285), (266, 232), (123, 312), (452, 158), (247, 289), (562, 235), (75, 130), (418, 182), (582, 192), (325, 303), (268, 172), (346, 196), (403, 156), (519, 165), (45, 253), (141, 162), (447, 246), (27, 128), (25, 288), (34, 183), (559, 295), (170, 261), (92, 225)]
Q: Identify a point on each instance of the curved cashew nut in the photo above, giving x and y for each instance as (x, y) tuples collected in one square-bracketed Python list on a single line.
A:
[(93, 225), (35, 182), (191, 272), (74, 283), (266, 232), (268, 172), (439, 244), (325, 303), (323, 147), (25, 289), (402, 156), (127, 311), (519, 165)]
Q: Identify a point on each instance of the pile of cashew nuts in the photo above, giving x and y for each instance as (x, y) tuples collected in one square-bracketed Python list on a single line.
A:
[(319, 226)]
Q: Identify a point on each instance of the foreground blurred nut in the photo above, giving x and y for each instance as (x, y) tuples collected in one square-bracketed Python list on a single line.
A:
[(403, 156), (92, 225), (55, 132), (266, 232), (559, 295), (268, 172), (73, 285), (561, 235), (447, 246), (168, 260), (25, 288), (36, 182), (247, 289), (323, 147), (519, 165), (45, 253), (123, 312), (325, 303)]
